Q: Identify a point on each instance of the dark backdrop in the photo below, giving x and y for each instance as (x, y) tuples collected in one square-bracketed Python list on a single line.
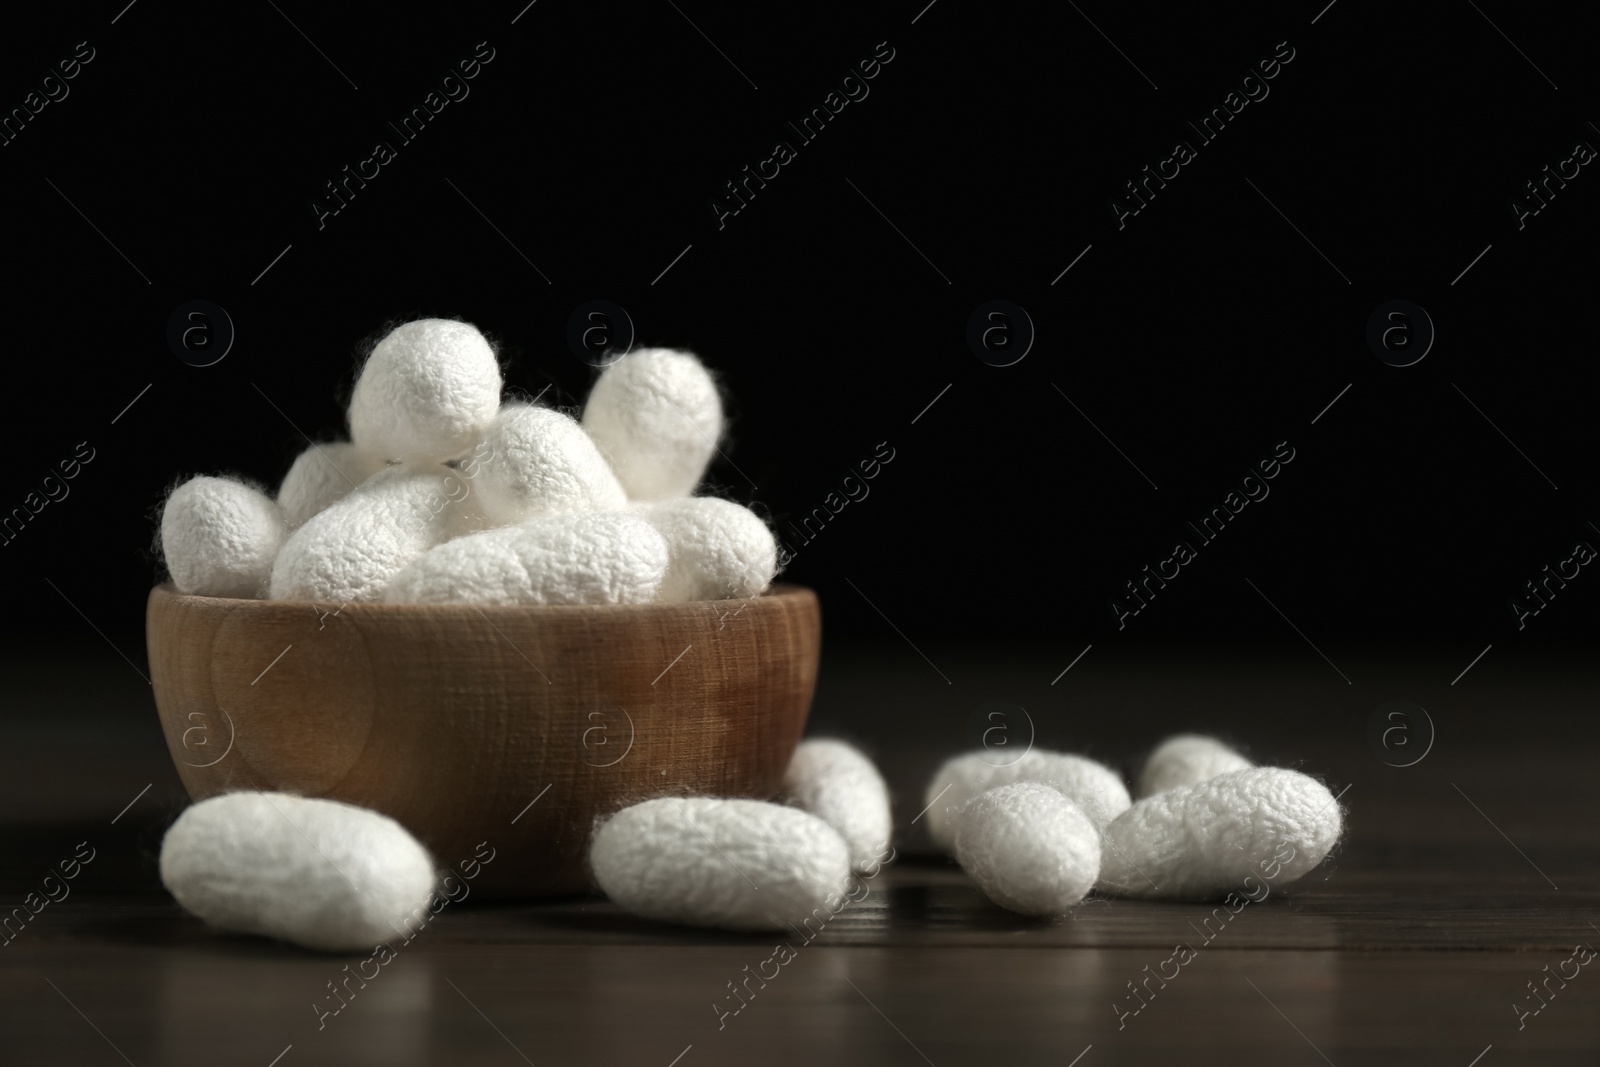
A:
[(1176, 352)]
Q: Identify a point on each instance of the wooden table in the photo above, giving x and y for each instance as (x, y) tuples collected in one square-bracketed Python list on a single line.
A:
[(1461, 879)]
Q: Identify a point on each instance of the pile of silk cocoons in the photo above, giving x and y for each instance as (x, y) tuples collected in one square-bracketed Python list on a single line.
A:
[(1037, 834), (1040, 832), (446, 494), (335, 877)]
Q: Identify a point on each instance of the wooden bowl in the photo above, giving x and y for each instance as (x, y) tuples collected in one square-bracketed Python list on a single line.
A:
[(508, 726)]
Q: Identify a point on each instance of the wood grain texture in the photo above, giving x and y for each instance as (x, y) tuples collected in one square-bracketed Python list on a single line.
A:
[(1408, 947), (454, 719), (502, 1006)]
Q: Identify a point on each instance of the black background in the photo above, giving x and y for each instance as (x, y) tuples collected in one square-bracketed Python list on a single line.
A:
[(1196, 338)]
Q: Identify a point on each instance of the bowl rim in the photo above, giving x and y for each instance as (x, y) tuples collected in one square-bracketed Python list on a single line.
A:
[(775, 593)]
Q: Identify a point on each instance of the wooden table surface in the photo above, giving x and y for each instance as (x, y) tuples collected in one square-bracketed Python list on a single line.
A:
[(1461, 880)]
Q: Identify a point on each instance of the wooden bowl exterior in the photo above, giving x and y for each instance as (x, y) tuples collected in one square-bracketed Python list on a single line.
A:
[(452, 719)]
